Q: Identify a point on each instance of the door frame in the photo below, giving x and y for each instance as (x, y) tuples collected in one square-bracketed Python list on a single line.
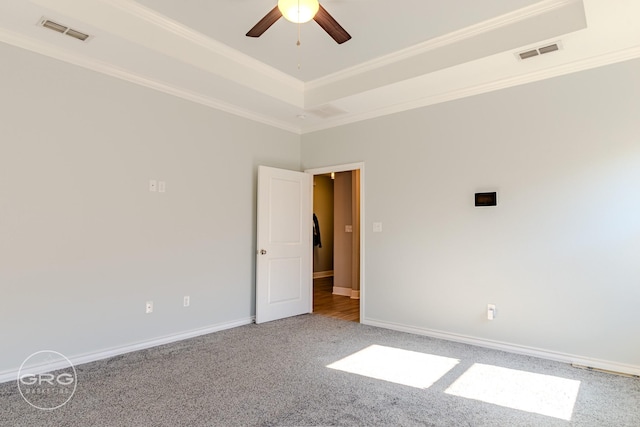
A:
[(346, 168)]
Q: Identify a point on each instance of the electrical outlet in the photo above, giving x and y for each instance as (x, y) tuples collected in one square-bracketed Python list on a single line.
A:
[(149, 307), (186, 301)]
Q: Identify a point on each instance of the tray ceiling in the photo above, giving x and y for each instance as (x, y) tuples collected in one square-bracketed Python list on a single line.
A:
[(402, 55)]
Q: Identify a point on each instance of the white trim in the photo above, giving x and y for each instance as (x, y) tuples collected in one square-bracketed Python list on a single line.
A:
[(187, 33), (338, 168), (297, 89), (560, 70), (51, 51), (355, 294), (80, 359), (128, 20), (437, 42), (344, 168), (199, 39), (322, 274), (572, 359), (338, 290)]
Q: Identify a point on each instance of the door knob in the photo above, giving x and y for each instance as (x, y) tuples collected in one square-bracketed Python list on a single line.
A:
[(263, 252)]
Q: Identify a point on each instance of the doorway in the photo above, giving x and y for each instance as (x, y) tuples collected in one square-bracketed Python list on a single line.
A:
[(338, 242)]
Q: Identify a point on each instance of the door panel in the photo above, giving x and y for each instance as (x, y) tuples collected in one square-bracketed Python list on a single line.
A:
[(284, 278), (283, 268)]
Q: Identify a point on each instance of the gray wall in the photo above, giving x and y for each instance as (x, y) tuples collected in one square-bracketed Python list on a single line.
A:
[(84, 244), (323, 208), (343, 241), (559, 255)]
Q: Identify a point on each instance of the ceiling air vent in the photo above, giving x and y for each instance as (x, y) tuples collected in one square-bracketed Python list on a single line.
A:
[(47, 23), (539, 51)]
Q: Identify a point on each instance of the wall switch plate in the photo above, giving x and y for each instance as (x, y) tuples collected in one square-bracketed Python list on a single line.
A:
[(149, 307), (491, 311), (186, 301), (162, 186), (153, 185), (377, 227)]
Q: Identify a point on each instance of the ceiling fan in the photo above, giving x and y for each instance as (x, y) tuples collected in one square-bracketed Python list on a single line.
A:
[(301, 11)]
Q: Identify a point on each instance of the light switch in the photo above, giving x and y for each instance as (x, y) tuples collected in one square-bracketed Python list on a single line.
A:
[(153, 185), (377, 227), (348, 228), (491, 311), (162, 186)]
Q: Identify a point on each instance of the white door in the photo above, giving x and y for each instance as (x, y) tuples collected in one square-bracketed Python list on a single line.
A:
[(283, 268)]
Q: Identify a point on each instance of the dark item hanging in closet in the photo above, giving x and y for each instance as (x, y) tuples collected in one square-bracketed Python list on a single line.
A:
[(316, 232)]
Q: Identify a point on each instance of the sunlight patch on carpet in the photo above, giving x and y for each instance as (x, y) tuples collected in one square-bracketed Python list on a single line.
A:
[(395, 365), (541, 394)]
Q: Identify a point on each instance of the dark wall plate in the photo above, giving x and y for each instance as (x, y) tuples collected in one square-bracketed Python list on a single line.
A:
[(486, 199)]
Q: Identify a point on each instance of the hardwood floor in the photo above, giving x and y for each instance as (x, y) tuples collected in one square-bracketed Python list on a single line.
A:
[(336, 306)]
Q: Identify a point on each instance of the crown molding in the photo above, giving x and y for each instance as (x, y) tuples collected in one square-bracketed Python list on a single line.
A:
[(560, 70), (37, 46), (301, 90), (187, 33), (445, 40), (51, 51), (130, 21)]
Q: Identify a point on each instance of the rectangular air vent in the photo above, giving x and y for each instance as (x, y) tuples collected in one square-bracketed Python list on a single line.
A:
[(59, 28), (53, 26), (77, 34), (538, 51), (547, 49)]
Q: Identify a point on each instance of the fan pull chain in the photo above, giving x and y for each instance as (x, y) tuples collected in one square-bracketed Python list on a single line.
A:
[(298, 44)]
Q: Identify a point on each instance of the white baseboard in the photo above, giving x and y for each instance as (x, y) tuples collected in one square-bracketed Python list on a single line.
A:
[(322, 274), (12, 375), (606, 365), (355, 294), (345, 292)]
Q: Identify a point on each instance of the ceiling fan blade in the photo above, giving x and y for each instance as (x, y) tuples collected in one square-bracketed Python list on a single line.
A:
[(331, 26), (264, 24)]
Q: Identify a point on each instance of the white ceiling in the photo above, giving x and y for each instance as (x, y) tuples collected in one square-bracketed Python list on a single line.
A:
[(402, 55)]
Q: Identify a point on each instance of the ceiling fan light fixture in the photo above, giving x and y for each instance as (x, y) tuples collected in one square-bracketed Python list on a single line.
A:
[(298, 11)]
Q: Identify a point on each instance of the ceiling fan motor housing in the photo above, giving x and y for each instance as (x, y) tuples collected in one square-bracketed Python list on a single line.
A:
[(298, 11)]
